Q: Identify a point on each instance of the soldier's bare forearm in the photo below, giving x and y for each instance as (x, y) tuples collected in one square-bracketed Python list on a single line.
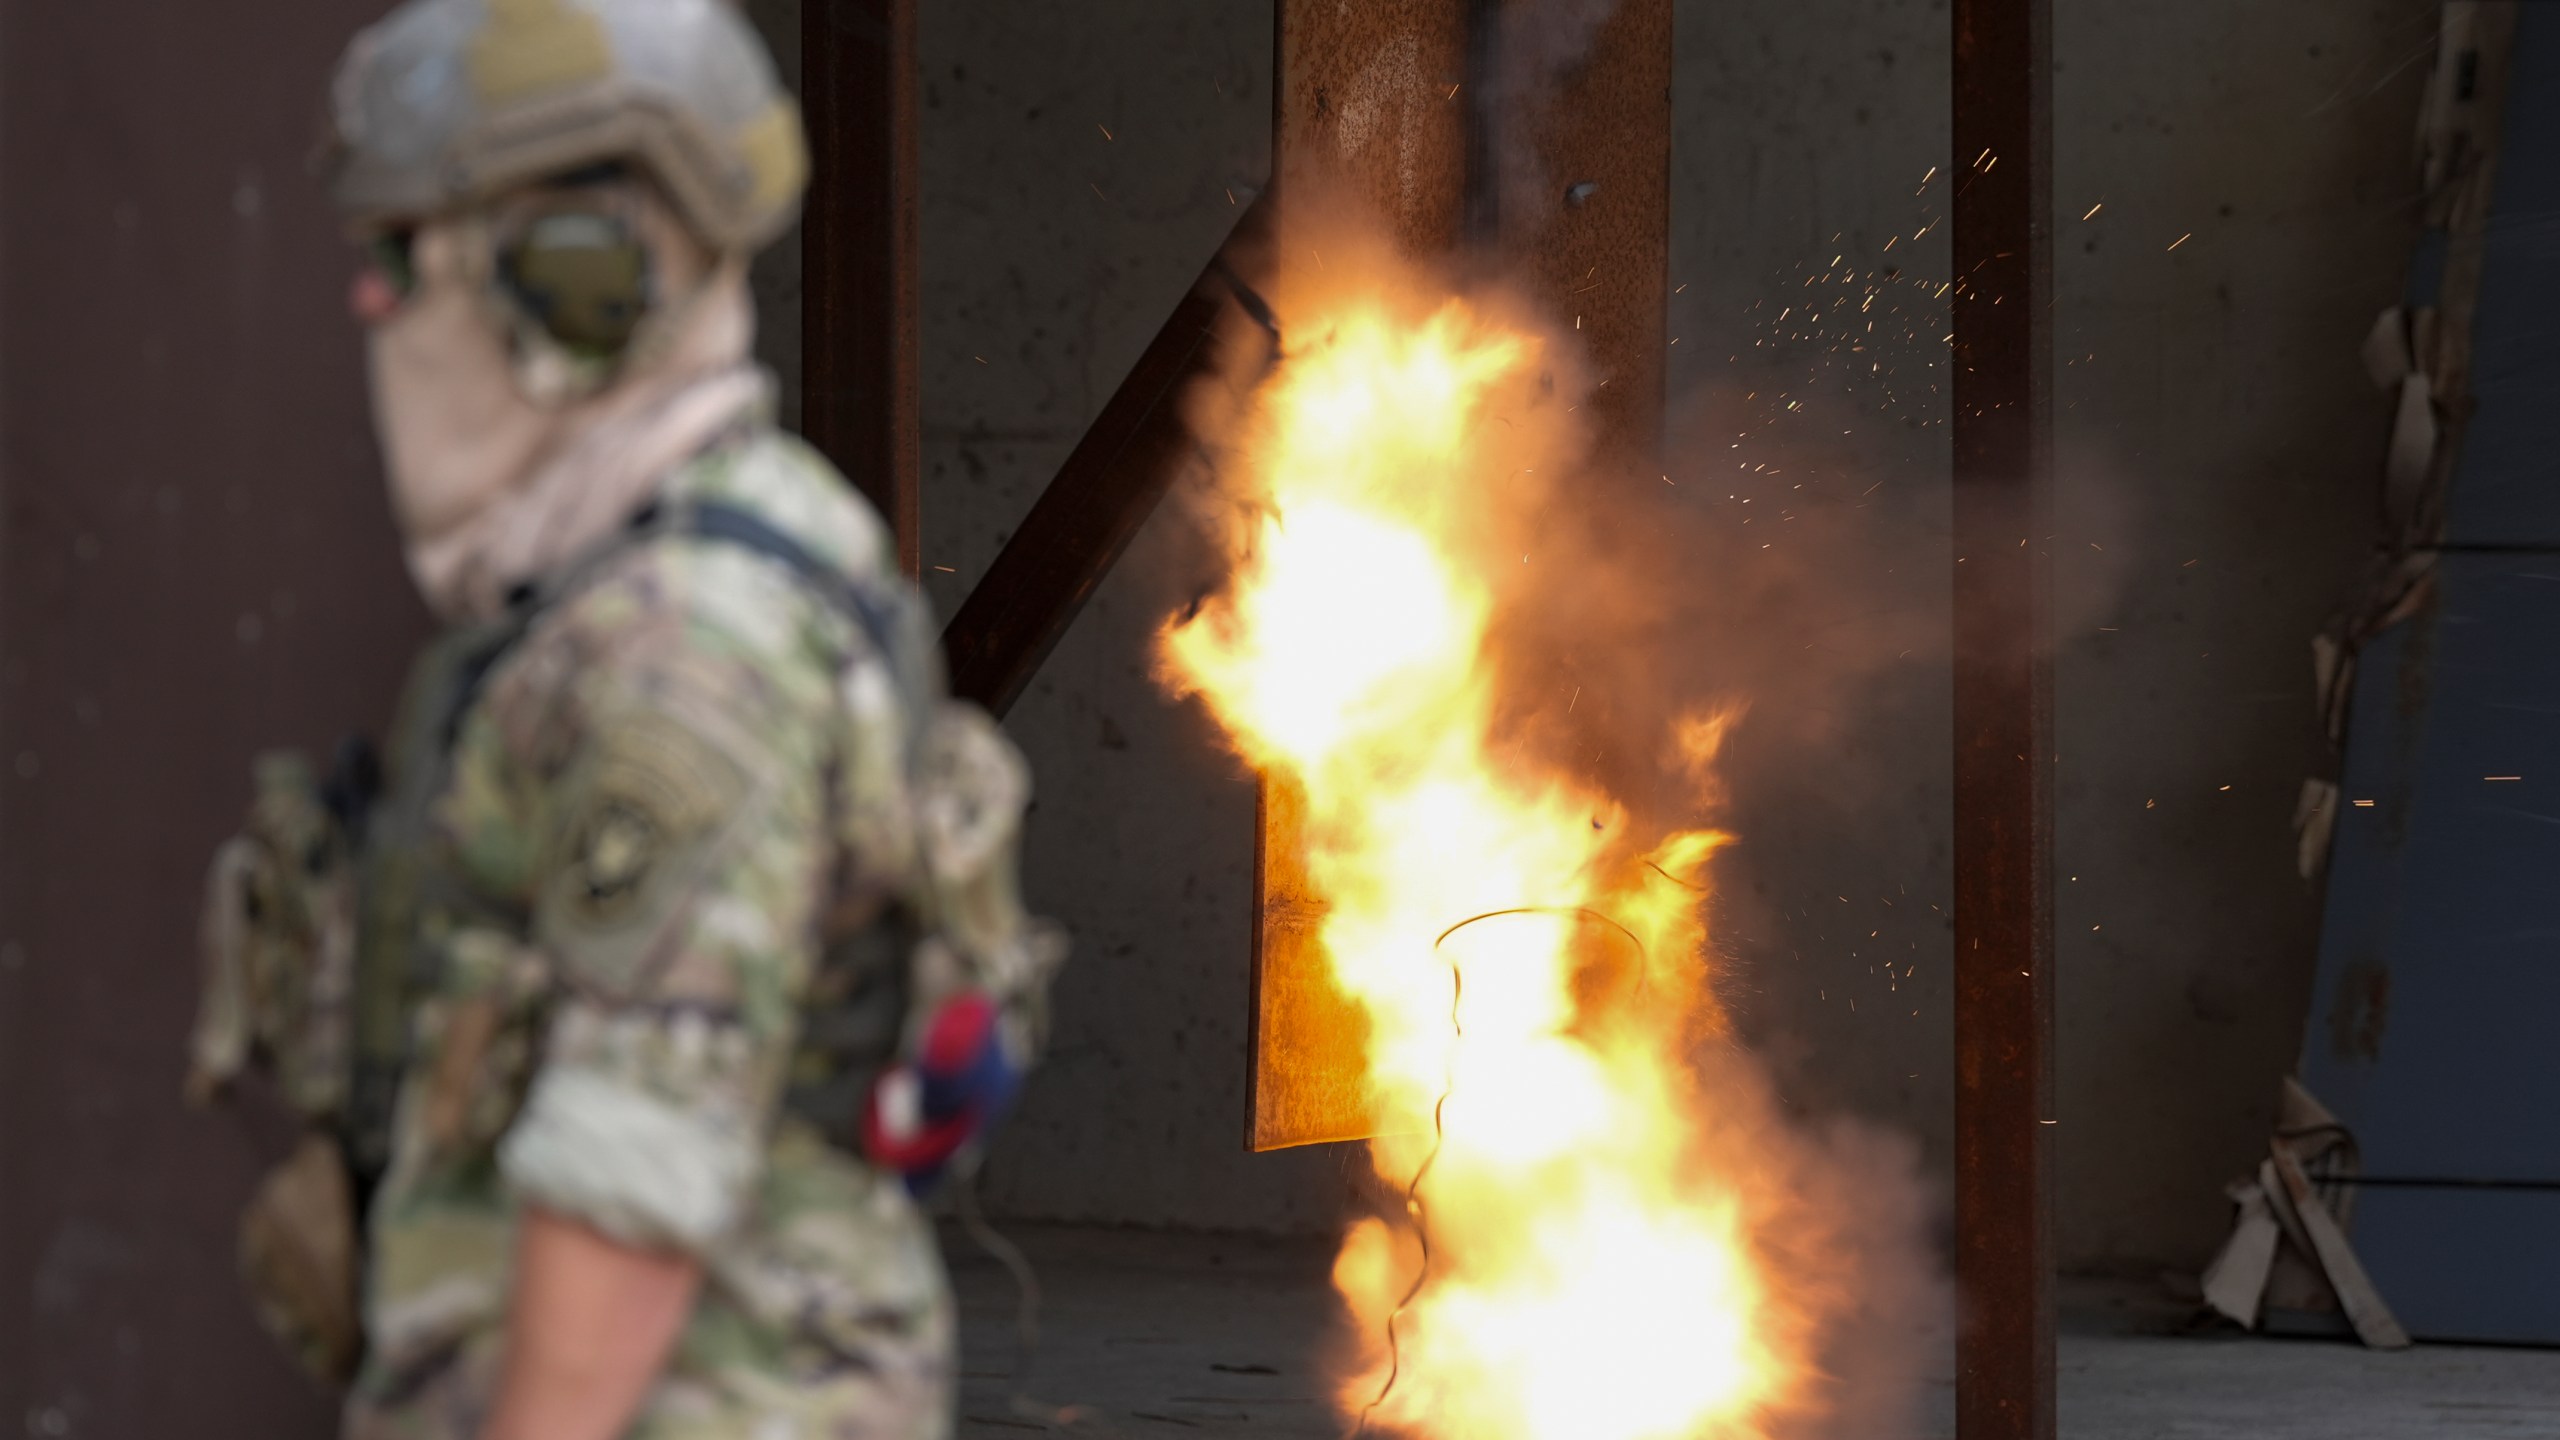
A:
[(589, 1326)]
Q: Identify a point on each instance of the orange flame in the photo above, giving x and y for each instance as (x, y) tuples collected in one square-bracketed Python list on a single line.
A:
[(1532, 973)]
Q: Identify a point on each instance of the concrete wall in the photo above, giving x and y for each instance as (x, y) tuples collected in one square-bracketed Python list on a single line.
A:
[(2226, 440), (2212, 411), (2218, 462)]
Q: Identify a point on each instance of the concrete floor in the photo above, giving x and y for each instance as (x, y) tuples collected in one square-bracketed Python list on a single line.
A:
[(1154, 1334)]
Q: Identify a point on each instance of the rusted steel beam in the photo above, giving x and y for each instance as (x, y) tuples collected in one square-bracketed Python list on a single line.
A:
[(1371, 105), (1098, 499), (1570, 184), (1529, 133), (858, 357), (2004, 743), (1372, 110)]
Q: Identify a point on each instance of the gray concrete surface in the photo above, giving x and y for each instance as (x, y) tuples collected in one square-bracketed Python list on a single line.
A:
[(2219, 447), (1148, 1334)]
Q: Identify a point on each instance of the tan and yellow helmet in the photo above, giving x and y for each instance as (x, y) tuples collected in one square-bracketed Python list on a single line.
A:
[(446, 103)]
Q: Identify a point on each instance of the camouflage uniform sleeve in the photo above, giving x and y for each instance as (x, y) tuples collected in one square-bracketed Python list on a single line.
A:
[(681, 861)]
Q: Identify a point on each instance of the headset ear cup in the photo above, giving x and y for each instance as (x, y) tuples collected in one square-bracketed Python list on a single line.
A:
[(584, 277)]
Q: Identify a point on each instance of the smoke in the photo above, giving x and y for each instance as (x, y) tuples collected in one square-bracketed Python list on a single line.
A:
[(1529, 52), (1792, 601), (1846, 1221)]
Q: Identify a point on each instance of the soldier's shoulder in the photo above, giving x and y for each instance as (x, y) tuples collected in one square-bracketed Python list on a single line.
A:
[(784, 480), (708, 620), (684, 592), (725, 592)]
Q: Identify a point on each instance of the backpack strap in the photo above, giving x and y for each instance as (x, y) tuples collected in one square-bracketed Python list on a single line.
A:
[(876, 613), (884, 615)]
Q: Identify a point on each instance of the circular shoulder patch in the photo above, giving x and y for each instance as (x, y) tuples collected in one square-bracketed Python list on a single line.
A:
[(618, 843), (643, 815)]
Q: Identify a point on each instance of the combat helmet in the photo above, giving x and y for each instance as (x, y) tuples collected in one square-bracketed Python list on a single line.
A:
[(446, 103)]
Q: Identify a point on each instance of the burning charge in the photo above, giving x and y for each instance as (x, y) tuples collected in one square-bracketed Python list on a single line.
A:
[(1589, 1247)]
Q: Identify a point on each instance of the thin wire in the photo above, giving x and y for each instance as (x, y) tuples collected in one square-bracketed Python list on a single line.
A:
[(1579, 912), (1026, 1313), (1413, 1192), (1413, 1205), (1676, 880)]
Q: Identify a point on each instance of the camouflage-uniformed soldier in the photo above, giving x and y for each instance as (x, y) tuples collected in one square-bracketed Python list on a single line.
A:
[(676, 942)]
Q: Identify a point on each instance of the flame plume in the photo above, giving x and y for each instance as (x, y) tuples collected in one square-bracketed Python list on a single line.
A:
[(1534, 973)]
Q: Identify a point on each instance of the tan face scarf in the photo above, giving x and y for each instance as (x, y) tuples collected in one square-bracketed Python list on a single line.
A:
[(494, 487)]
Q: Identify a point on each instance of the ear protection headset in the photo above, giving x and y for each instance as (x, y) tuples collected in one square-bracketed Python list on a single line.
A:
[(579, 270)]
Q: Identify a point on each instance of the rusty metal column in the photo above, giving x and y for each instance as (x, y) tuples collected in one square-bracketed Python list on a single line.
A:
[(1533, 132), (2004, 751), (858, 363), (1570, 185), (1370, 108), (1364, 107)]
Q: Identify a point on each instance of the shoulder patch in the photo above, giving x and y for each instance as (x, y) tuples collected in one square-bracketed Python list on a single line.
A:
[(618, 843), (641, 819)]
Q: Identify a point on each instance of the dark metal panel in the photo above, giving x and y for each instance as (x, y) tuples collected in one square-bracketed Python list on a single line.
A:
[(2004, 747), (195, 561), (1098, 499), (2464, 1262), (859, 389), (2351, 1000), (2503, 490), (2430, 1024)]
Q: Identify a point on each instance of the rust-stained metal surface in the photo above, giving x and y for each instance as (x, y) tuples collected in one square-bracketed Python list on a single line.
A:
[(1370, 109), (859, 391), (2428, 1026), (1370, 105), (1573, 190), (1514, 129), (1309, 1040), (2004, 742), (2465, 109), (1098, 499), (196, 561)]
